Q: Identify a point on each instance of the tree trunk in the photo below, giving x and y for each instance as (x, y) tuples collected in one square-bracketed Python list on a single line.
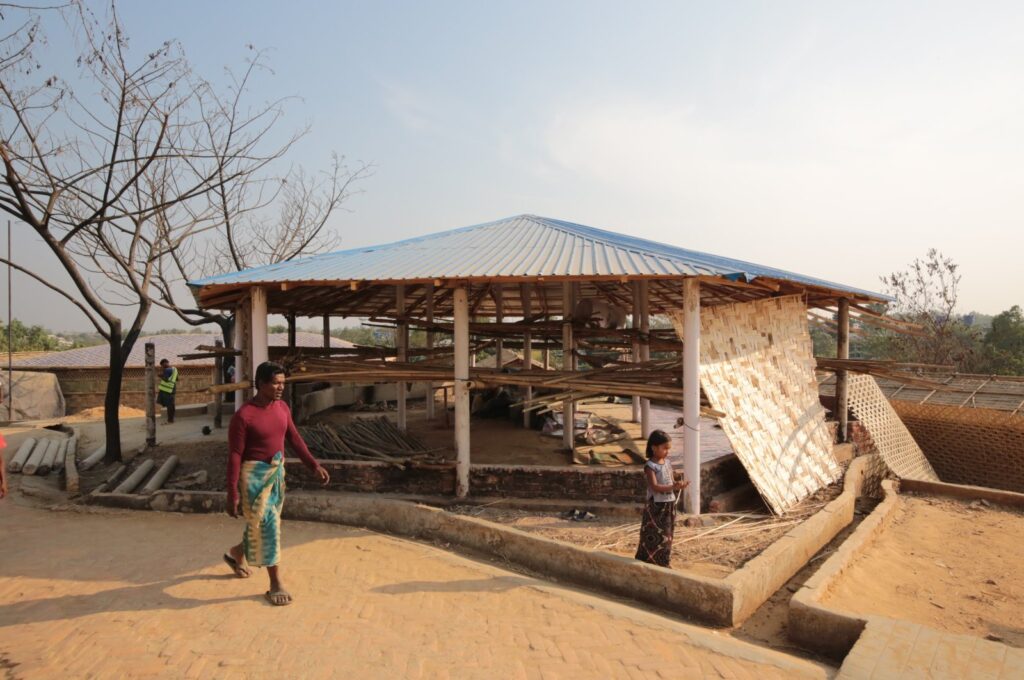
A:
[(112, 401)]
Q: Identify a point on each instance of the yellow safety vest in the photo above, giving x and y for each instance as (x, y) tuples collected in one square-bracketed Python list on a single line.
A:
[(168, 384)]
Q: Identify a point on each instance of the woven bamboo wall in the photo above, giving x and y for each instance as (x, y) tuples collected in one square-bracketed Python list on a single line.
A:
[(895, 443), (978, 446), (757, 365)]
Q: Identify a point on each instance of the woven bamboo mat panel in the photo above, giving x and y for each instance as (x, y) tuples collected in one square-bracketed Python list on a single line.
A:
[(757, 366), (895, 443), (978, 446)]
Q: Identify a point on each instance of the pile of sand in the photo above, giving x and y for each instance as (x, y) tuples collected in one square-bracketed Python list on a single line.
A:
[(98, 413)]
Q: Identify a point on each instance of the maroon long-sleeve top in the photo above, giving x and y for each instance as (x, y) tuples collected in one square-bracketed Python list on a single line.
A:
[(257, 433)]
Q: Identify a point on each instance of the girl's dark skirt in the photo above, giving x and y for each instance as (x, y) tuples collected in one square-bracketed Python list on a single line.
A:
[(656, 530)]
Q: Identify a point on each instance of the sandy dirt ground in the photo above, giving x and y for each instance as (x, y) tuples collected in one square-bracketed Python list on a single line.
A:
[(716, 550), (954, 566), (93, 593)]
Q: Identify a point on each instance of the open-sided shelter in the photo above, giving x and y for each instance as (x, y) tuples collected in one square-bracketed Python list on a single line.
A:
[(532, 269)]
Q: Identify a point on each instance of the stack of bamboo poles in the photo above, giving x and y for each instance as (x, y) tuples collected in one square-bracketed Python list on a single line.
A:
[(376, 439), (880, 369), (659, 379)]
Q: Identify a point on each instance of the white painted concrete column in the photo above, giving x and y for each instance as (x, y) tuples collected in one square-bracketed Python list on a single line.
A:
[(260, 353), (691, 394), (645, 353), (402, 345), (461, 341), (635, 286), (430, 345), (568, 406), (526, 293)]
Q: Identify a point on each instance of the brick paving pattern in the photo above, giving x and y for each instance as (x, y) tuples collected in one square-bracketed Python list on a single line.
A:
[(891, 650), (118, 594)]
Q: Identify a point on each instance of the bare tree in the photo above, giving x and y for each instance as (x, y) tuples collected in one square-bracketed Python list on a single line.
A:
[(256, 216), (926, 294), (97, 164)]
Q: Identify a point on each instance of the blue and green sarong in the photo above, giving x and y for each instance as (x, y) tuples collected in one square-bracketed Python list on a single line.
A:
[(262, 492)]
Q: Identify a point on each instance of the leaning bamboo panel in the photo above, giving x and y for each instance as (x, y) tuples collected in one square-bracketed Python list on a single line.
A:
[(757, 365), (894, 441), (978, 446)]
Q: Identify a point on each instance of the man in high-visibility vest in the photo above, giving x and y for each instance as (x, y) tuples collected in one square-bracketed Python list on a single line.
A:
[(165, 391)]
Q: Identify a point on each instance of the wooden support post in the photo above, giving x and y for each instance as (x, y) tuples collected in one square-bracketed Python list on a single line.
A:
[(568, 407), (243, 361), (150, 394), (526, 296), (327, 331), (402, 345), (218, 379), (291, 331), (461, 341), (842, 384), (635, 286), (645, 353), (290, 388), (430, 345), (499, 316), (691, 393)]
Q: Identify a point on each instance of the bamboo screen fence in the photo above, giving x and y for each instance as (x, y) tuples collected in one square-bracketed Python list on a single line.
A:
[(895, 443), (757, 366)]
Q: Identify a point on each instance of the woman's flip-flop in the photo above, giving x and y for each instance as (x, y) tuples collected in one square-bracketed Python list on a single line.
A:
[(278, 598), (240, 570)]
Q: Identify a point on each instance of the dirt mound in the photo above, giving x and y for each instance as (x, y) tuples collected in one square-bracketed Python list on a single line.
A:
[(98, 413)]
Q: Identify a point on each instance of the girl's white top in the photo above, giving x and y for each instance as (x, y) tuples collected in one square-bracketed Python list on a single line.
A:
[(663, 474)]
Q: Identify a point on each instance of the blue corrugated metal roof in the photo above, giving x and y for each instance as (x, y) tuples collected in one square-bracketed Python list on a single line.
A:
[(522, 246)]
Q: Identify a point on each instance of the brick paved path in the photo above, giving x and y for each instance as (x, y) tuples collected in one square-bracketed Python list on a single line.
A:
[(903, 650), (120, 594)]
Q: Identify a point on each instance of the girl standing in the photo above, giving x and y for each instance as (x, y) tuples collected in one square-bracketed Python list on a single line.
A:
[(659, 519)]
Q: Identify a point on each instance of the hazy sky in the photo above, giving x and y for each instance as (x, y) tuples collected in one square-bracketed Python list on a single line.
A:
[(835, 140)]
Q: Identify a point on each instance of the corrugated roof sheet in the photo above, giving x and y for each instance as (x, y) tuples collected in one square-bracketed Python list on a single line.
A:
[(168, 346), (521, 246)]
